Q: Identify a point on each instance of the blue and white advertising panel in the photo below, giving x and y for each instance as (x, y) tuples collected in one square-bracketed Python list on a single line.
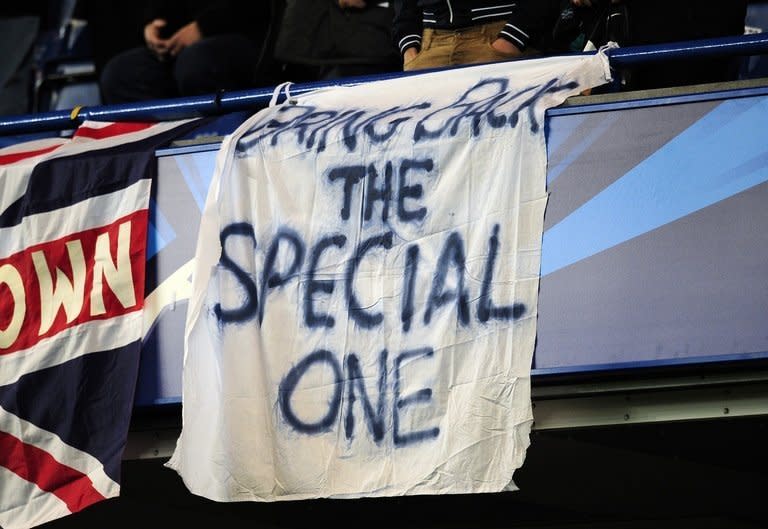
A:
[(654, 248)]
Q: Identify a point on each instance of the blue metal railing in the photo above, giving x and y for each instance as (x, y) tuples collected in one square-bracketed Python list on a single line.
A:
[(225, 102)]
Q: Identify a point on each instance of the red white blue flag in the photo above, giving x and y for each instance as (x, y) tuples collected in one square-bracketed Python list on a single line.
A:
[(73, 228)]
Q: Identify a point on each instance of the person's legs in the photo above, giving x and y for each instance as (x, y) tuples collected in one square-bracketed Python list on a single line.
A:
[(224, 62), (474, 45), (136, 75), (436, 50)]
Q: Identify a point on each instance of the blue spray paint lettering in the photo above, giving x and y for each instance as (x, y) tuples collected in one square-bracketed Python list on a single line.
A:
[(451, 261), (485, 306), (251, 302), (314, 286), (353, 379), (290, 383), (478, 106), (421, 396), (272, 278), (416, 191), (312, 126), (357, 312), (352, 175), (374, 194), (375, 419), (409, 286), (481, 105), (452, 256)]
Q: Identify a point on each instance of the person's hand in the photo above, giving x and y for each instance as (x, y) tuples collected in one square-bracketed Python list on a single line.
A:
[(156, 44), (356, 4), (409, 54), (186, 36), (506, 47)]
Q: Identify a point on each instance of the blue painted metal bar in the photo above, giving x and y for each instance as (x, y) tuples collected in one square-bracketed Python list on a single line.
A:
[(675, 99), (724, 46), (224, 102)]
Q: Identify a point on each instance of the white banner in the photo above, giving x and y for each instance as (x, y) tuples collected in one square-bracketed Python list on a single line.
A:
[(363, 312)]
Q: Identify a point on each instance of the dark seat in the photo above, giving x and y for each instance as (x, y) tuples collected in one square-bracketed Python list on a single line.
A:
[(64, 71)]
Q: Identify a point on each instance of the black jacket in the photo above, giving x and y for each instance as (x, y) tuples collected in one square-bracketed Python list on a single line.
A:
[(319, 32), (246, 17), (527, 20)]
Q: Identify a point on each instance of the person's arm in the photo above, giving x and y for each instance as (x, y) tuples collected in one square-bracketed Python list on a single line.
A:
[(156, 15), (216, 19), (152, 31), (352, 4), (186, 36), (407, 28)]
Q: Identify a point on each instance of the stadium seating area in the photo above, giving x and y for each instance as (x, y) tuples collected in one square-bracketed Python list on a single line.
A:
[(70, 50)]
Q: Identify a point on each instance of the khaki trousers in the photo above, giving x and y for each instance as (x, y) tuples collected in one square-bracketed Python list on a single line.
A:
[(444, 47)]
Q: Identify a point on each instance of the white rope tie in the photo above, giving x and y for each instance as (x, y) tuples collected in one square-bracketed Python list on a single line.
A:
[(278, 89)]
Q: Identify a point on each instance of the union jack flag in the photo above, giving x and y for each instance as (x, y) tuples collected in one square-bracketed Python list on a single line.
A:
[(73, 227)]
